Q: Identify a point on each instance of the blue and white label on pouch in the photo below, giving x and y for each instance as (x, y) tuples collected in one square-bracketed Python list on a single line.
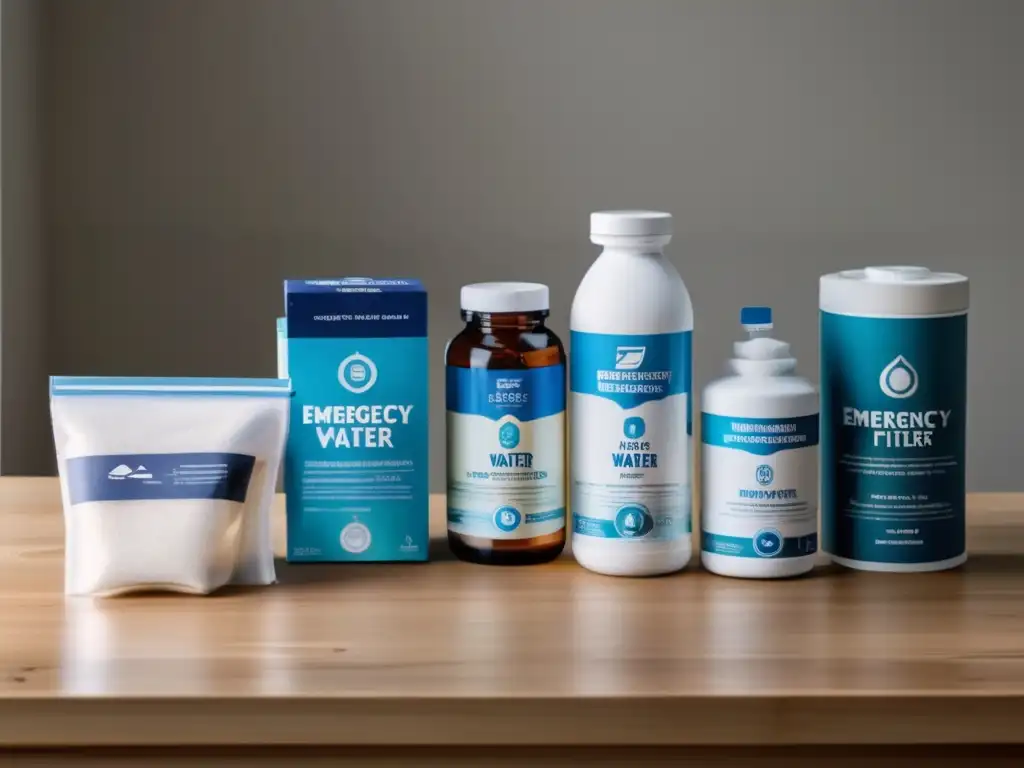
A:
[(631, 435), (155, 476), (760, 486), (506, 451)]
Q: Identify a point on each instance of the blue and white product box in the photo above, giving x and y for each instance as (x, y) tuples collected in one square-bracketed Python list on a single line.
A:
[(356, 461)]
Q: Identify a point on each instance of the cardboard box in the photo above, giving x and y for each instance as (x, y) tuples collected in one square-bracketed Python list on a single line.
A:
[(356, 461)]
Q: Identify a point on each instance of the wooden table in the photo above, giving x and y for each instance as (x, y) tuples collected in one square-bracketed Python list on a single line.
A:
[(388, 664)]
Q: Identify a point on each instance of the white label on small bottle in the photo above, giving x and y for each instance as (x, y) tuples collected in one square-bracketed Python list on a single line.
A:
[(760, 486)]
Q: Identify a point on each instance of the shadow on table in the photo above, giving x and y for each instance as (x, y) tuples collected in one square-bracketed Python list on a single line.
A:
[(1009, 564), (440, 552), (321, 573), (984, 563)]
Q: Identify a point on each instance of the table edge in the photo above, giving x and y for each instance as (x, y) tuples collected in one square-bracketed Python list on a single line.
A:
[(670, 720)]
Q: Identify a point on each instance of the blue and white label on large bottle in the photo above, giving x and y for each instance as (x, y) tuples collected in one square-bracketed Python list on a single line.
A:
[(506, 452), (893, 411), (631, 430), (760, 486)]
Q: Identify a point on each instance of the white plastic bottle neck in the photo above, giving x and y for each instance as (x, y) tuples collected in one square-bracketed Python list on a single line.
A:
[(763, 368), (618, 245), (631, 253), (762, 356)]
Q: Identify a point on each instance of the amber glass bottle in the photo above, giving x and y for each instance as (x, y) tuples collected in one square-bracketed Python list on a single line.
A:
[(505, 394)]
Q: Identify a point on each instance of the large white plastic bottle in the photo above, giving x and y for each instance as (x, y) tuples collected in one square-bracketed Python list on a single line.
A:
[(759, 429), (630, 381)]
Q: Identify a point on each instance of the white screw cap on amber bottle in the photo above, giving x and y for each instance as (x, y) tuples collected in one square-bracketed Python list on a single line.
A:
[(630, 389), (497, 298)]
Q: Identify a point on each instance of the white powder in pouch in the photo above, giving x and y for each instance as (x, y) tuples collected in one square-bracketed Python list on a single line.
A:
[(167, 483)]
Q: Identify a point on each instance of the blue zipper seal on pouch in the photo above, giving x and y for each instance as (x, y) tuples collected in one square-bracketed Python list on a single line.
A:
[(99, 386)]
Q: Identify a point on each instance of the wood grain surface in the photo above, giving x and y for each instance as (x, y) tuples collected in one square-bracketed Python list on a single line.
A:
[(516, 757), (448, 653)]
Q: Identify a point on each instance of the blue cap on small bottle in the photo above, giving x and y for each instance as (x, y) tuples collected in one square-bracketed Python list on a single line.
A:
[(760, 316)]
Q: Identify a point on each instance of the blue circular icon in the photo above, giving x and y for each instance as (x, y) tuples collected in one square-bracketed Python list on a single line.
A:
[(767, 542), (508, 435), (634, 427), (507, 518), (764, 474), (633, 521), (357, 373)]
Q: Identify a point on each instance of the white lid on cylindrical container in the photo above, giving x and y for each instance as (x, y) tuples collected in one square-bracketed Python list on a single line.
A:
[(894, 291), (631, 224), (495, 298)]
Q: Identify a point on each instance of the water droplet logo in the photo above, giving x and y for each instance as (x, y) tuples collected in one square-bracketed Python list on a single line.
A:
[(508, 435), (634, 427), (633, 521), (898, 379)]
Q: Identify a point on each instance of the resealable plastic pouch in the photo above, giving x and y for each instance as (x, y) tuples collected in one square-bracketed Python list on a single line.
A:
[(167, 484)]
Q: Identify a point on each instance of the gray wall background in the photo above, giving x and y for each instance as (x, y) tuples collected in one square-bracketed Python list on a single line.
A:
[(198, 152), (25, 293)]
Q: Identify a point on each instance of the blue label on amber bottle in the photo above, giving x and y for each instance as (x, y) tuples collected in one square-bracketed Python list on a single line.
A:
[(506, 451)]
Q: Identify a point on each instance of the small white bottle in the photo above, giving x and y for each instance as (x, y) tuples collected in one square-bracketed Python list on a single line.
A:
[(759, 429), (630, 384)]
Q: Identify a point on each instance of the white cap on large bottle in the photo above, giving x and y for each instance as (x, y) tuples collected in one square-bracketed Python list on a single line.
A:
[(495, 298), (896, 291), (630, 224)]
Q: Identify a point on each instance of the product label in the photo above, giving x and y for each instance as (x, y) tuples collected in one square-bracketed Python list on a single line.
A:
[(894, 395), (145, 476), (760, 486), (506, 452), (631, 435), (356, 464), (356, 472)]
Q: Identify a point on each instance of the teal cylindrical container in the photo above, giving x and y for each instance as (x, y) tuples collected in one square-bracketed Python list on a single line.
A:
[(893, 418)]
